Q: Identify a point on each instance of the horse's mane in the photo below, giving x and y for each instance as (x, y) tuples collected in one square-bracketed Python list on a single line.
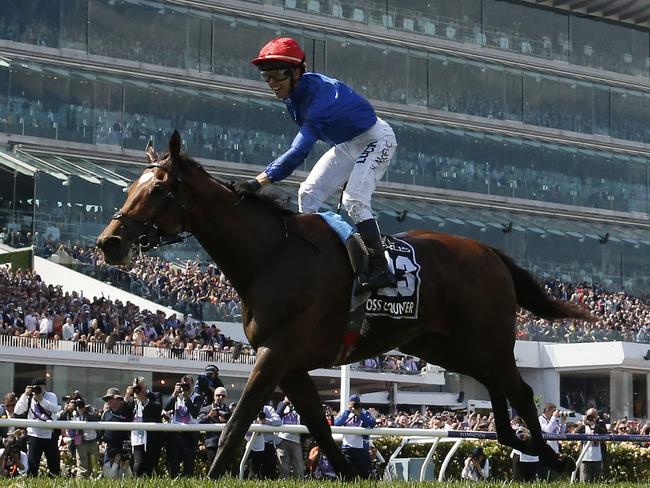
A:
[(271, 200)]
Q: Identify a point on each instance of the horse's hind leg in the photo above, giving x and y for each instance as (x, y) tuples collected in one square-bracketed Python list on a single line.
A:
[(269, 369), (505, 433), (300, 389), (521, 397)]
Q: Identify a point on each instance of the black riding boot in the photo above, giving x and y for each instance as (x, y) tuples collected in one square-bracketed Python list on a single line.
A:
[(380, 274)]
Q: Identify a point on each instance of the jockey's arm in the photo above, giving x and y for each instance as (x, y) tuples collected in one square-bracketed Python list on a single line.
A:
[(291, 159)]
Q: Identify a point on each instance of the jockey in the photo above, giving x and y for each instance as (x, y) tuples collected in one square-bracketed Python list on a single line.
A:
[(362, 145)]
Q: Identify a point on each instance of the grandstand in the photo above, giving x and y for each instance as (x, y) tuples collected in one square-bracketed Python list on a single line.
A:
[(519, 124)]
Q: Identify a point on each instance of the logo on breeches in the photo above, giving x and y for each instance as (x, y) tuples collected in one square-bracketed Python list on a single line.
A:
[(370, 148)]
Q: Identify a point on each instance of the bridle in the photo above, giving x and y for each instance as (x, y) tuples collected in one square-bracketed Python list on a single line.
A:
[(149, 235)]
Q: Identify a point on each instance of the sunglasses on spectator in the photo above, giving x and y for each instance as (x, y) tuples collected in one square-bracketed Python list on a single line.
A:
[(220, 394), (277, 74)]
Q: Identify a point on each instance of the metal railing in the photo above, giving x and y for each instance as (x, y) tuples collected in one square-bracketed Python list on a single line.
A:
[(411, 436)]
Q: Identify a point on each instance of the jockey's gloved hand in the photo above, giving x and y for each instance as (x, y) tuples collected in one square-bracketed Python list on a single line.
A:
[(247, 186)]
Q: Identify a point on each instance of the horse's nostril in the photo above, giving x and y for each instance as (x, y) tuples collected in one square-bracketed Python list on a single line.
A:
[(110, 243)]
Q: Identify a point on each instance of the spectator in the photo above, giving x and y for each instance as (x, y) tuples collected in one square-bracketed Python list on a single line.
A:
[(8, 412), (551, 422), (524, 466), (145, 406), (263, 456), (83, 441), (319, 465), (182, 408), (356, 447), (477, 466), (289, 447), (41, 405), (13, 461), (215, 413), (591, 467), (115, 410), (207, 383)]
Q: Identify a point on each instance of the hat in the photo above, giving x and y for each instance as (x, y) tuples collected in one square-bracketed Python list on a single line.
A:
[(354, 398), (211, 368), (477, 451), (112, 393)]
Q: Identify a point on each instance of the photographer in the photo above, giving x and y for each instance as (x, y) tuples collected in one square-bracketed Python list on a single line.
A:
[(356, 447), (215, 413), (40, 405), (117, 411), (83, 441), (592, 463), (117, 465), (144, 406), (263, 456), (551, 421), (289, 448), (206, 383), (13, 461), (477, 466), (183, 407), (524, 466)]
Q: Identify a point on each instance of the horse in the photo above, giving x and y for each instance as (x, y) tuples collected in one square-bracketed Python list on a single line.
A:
[(294, 279)]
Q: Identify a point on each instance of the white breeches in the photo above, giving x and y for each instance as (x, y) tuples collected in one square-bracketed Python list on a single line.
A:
[(361, 161)]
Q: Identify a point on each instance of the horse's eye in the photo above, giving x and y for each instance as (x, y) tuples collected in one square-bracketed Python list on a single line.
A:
[(159, 188)]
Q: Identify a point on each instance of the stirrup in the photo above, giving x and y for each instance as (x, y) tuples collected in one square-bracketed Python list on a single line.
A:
[(386, 279)]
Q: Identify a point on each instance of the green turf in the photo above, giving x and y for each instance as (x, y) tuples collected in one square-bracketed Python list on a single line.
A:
[(233, 483)]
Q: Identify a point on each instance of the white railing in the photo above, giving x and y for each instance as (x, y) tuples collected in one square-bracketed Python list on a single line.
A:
[(124, 349), (411, 436)]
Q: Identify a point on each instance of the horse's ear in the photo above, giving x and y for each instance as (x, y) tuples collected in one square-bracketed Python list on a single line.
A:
[(152, 157), (175, 145)]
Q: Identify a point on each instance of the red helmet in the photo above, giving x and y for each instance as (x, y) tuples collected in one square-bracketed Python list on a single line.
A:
[(280, 49)]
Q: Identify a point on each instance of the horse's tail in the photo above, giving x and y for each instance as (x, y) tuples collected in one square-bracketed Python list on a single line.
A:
[(532, 297)]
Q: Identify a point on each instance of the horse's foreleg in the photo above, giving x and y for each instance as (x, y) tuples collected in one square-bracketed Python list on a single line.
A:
[(301, 390), (266, 375)]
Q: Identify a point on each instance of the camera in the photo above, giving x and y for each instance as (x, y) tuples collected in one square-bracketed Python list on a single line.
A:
[(184, 386), (567, 413), (137, 389), (261, 416), (356, 405), (36, 389)]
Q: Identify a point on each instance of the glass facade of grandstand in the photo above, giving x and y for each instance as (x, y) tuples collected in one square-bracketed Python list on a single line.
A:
[(89, 103)]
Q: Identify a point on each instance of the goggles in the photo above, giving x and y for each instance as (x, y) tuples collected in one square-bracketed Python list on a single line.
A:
[(281, 74)]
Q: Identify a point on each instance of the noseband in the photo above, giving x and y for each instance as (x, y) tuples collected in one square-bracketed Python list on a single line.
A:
[(148, 232)]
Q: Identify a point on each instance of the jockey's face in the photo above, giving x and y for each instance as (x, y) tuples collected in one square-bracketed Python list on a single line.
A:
[(281, 81)]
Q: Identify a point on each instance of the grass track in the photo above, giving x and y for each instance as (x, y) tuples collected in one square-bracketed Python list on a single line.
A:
[(233, 483)]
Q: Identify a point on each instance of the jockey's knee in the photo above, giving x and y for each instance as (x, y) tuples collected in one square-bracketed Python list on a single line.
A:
[(309, 200), (357, 210)]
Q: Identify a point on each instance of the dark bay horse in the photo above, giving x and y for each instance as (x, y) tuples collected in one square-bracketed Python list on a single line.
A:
[(294, 280)]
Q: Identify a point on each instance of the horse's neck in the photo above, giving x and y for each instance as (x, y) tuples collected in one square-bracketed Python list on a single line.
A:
[(240, 236)]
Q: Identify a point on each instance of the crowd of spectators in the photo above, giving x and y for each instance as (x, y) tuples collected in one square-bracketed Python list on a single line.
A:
[(620, 317), (201, 292), (412, 165), (35, 311)]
